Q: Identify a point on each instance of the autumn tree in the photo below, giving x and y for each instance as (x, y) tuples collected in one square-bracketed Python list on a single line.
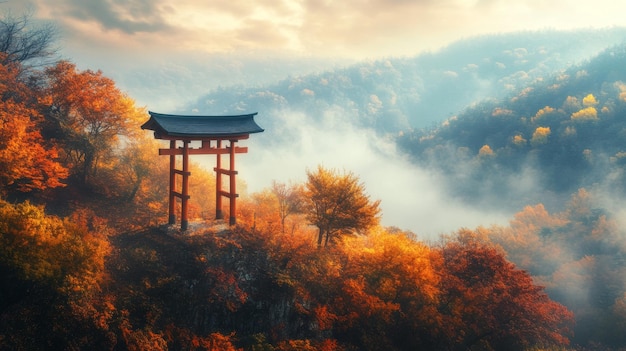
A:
[(540, 136), (139, 180), (22, 41), (27, 162), (527, 242), (488, 302), (50, 251), (181, 339), (87, 114), (586, 114), (52, 270), (260, 211), (137, 164), (576, 254), (337, 204), (389, 288), (289, 200)]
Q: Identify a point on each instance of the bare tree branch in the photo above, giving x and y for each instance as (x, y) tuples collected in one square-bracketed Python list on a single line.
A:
[(23, 42)]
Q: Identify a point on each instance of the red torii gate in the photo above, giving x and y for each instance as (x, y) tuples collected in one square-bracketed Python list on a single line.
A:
[(211, 131)]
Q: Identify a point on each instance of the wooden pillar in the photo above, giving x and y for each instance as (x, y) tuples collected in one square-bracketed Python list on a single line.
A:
[(184, 220), (233, 185), (172, 199), (218, 183)]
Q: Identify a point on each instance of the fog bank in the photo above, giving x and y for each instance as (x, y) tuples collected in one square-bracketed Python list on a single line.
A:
[(412, 198)]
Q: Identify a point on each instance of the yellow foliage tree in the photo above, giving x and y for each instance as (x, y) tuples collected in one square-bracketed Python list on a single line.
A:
[(519, 140), (586, 114), (386, 276), (337, 204), (571, 104), (541, 113), (290, 199), (540, 136), (202, 190), (50, 251), (485, 151), (266, 214), (590, 100), (621, 94)]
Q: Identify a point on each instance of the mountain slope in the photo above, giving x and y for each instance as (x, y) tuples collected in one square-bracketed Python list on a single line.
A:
[(554, 136), (401, 93)]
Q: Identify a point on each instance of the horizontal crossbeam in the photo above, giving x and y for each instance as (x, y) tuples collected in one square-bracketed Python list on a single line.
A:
[(204, 151), (181, 196), (178, 171), (225, 171), (227, 194)]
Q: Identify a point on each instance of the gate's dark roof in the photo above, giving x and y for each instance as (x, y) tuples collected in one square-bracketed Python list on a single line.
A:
[(201, 126)]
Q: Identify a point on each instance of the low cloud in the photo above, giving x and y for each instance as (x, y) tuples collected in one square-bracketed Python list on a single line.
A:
[(412, 198)]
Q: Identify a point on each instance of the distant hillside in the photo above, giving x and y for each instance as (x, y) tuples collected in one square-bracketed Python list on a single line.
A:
[(401, 93), (551, 137)]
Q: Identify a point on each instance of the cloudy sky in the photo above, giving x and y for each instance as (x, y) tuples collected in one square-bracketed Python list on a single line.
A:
[(132, 31), (143, 44)]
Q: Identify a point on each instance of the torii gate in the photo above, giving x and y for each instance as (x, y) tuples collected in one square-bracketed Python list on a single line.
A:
[(211, 131)]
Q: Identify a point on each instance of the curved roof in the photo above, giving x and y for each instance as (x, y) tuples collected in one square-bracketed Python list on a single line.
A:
[(201, 126)]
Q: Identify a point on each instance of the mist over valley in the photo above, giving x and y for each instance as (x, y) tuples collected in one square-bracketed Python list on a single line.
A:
[(412, 128)]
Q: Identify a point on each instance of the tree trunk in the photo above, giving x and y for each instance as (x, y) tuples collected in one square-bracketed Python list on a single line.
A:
[(134, 191), (282, 222), (320, 236)]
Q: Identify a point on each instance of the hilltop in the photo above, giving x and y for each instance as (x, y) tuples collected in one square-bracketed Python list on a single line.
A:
[(539, 144), (395, 94)]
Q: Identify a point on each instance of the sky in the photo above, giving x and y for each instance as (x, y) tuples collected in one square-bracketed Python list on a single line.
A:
[(152, 46), (104, 34), (166, 53)]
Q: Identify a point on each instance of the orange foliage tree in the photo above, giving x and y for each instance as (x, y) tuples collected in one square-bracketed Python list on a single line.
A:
[(374, 292), (26, 161), (258, 211), (525, 240), (87, 114), (577, 255), (388, 292), (488, 302), (337, 204)]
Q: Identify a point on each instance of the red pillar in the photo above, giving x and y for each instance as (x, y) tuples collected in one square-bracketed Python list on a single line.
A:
[(218, 184), (233, 185), (184, 221), (172, 203)]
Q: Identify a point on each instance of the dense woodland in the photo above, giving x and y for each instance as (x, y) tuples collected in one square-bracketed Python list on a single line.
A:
[(86, 262), (566, 131)]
